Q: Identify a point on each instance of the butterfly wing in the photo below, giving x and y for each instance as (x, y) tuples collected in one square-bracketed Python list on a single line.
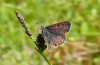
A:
[(59, 28), (57, 39), (51, 38)]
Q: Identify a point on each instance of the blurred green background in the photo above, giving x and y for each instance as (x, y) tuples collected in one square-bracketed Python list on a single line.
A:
[(83, 40)]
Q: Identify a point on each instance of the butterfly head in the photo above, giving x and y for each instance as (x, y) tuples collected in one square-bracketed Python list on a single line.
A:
[(41, 29)]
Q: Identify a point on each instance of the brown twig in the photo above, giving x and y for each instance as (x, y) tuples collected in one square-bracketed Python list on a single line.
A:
[(22, 21)]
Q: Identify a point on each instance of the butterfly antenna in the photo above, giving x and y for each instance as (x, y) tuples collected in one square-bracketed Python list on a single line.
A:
[(47, 22)]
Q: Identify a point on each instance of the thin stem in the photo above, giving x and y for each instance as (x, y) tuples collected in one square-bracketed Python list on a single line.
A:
[(28, 32)]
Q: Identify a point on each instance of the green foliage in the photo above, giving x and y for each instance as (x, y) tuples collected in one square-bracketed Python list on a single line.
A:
[(84, 17)]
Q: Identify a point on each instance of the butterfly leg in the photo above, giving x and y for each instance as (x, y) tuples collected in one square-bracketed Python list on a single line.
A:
[(48, 43), (48, 46)]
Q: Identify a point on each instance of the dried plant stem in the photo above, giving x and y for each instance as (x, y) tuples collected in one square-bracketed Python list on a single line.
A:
[(28, 32), (22, 21)]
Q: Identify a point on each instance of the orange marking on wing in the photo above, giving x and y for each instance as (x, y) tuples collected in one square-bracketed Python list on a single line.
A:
[(65, 33), (58, 43)]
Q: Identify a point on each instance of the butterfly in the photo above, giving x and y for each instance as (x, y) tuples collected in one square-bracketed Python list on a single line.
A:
[(53, 34)]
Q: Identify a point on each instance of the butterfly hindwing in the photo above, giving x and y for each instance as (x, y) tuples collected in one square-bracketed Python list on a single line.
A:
[(58, 39)]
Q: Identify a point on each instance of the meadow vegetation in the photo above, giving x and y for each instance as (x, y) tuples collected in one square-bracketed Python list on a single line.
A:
[(82, 46)]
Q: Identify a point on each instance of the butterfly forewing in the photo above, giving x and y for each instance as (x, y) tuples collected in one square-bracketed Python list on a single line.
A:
[(59, 28)]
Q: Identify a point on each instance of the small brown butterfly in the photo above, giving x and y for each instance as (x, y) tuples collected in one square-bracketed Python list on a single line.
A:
[(53, 34)]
